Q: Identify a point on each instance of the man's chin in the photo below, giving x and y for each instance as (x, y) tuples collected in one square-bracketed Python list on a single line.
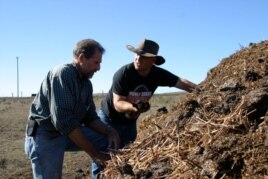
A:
[(137, 67), (88, 76)]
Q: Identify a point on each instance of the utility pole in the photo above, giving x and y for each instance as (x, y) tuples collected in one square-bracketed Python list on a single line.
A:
[(17, 76)]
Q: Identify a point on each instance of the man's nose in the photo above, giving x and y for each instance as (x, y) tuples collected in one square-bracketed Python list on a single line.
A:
[(139, 59), (98, 67)]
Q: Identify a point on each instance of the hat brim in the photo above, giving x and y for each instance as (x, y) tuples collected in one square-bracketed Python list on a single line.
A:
[(159, 59)]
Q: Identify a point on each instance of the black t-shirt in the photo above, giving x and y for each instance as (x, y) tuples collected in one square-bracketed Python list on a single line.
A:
[(128, 82)]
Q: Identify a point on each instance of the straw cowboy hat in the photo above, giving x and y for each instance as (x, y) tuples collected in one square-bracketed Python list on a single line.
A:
[(148, 48)]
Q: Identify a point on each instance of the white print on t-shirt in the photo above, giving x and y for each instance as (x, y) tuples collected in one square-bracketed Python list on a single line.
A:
[(141, 93)]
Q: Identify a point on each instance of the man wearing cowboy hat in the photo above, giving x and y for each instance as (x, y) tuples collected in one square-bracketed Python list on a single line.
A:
[(134, 84)]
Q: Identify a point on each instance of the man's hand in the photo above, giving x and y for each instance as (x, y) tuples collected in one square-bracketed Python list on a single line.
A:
[(142, 106), (111, 133), (100, 158), (113, 138), (82, 142)]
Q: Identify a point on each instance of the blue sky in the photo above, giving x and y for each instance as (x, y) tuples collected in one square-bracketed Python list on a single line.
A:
[(194, 35)]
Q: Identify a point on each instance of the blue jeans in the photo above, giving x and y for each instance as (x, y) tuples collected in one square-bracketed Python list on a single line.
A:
[(127, 134), (46, 151)]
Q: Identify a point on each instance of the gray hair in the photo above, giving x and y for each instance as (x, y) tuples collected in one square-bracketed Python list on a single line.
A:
[(88, 47)]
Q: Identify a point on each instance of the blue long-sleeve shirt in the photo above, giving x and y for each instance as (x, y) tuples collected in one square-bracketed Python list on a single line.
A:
[(64, 101)]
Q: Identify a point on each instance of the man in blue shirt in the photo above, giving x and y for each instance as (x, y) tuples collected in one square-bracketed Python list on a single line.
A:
[(63, 117)]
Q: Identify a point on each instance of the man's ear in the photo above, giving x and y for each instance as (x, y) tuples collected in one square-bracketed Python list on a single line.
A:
[(80, 57), (154, 60)]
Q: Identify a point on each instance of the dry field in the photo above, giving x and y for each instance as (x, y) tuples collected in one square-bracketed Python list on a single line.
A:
[(13, 161)]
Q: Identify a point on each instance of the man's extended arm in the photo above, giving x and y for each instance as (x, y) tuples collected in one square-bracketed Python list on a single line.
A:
[(185, 85)]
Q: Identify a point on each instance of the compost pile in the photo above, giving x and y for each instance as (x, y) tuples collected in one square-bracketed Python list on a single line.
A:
[(219, 131)]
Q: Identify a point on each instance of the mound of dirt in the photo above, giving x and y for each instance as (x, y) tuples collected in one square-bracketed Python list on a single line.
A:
[(219, 131)]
